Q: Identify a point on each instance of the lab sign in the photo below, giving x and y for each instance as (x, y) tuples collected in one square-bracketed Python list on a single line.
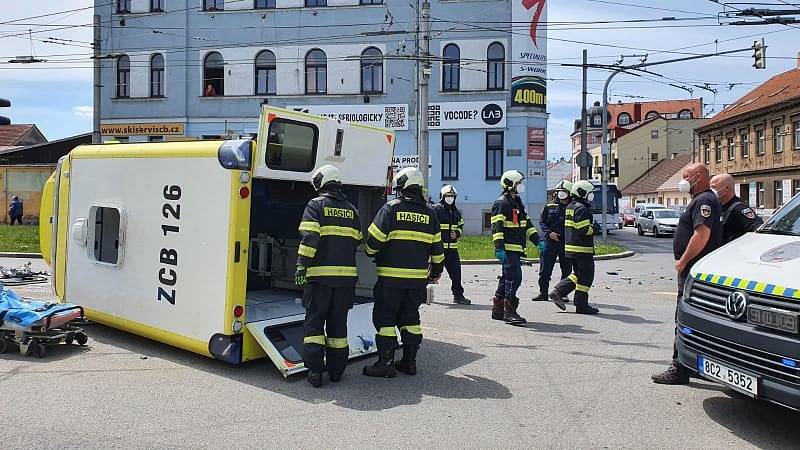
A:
[(459, 115)]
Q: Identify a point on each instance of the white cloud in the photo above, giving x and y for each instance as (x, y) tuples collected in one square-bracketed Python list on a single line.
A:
[(82, 111)]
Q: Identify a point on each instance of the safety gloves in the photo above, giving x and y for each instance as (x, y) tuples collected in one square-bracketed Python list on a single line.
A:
[(542, 245), (300, 276), (500, 254)]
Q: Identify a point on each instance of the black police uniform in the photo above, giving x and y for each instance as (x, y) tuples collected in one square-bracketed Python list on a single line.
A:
[(405, 239), (738, 219), (552, 221), (579, 231), (331, 232), (450, 220)]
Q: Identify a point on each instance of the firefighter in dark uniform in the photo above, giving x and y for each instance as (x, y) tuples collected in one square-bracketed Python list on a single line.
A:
[(326, 268), (452, 228), (737, 217), (511, 230), (551, 222), (406, 241), (579, 231)]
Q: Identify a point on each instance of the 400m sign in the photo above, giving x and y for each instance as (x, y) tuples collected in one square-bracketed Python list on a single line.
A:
[(529, 44)]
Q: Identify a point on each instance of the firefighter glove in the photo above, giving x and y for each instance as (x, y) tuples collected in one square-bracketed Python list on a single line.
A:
[(300, 276), (500, 254)]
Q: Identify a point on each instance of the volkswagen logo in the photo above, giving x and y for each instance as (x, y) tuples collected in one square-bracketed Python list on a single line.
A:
[(736, 305)]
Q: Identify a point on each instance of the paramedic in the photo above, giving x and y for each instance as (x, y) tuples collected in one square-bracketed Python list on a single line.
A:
[(15, 210), (551, 222), (737, 217), (406, 241), (579, 231), (452, 228), (326, 268), (510, 231)]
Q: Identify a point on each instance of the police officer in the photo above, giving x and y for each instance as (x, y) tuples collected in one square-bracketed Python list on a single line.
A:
[(510, 231), (551, 222), (406, 241), (326, 268), (579, 231), (737, 217), (452, 228)]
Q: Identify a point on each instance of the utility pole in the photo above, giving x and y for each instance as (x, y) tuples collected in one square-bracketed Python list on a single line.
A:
[(584, 175), (422, 120), (96, 137)]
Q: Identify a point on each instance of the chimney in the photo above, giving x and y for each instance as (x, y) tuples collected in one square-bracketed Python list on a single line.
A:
[(673, 155), (637, 112), (798, 60)]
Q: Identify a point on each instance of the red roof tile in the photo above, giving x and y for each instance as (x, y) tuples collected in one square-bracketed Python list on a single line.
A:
[(657, 175), (12, 134), (663, 107)]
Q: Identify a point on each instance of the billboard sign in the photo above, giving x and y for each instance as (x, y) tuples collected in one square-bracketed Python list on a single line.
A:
[(394, 117), (460, 115), (529, 53)]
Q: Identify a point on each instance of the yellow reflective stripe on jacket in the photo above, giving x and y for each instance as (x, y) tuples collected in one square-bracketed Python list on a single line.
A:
[(498, 218), (413, 329), (337, 342), (397, 272), (332, 271), (578, 225), (387, 332), (333, 230), (437, 259), (405, 235), (461, 222), (319, 340), (521, 224), (497, 236), (578, 249), (450, 245), (581, 288), (376, 232), (306, 251), (369, 250), (574, 278), (530, 231), (446, 226), (514, 248), (309, 226)]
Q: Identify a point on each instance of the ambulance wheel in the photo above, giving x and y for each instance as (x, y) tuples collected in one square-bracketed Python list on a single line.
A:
[(3, 345), (81, 338), (69, 339)]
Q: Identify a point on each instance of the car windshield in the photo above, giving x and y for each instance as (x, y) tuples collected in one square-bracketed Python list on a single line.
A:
[(786, 221), (627, 211), (666, 214)]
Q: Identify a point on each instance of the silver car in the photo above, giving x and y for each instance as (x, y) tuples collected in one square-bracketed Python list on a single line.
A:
[(658, 221)]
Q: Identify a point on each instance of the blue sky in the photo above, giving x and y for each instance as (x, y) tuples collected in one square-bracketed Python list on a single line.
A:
[(59, 99)]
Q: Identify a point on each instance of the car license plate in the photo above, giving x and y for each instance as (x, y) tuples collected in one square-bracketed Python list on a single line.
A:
[(732, 377), (772, 318)]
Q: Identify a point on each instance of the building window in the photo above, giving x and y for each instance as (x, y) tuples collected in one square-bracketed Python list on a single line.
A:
[(796, 135), (311, 3), (718, 151), (685, 114), (155, 138), (449, 156), (760, 194), (654, 157), (761, 142), (707, 153), (731, 148), (213, 5), (654, 134), (496, 67), (371, 2), (371, 71), (316, 72), (494, 155), (624, 119), (105, 233), (123, 6), (291, 145), (451, 68), (651, 115), (123, 77), (778, 193), (745, 145), (795, 187), (121, 139), (157, 75), (597, 120), (265, 4), (213, 75), (777, 139), (156, 5), (266, 73)]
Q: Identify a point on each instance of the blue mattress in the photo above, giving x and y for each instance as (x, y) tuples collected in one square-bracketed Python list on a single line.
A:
[(16, 312)]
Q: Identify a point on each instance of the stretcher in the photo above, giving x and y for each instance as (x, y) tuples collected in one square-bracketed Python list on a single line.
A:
[(36, 326)]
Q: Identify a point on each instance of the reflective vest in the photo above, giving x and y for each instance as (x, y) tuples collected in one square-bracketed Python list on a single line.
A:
[(449, 220), (406, 240), (579, 229), (330, 233), (511, 227)]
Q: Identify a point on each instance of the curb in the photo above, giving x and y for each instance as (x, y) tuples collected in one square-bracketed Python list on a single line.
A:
[(530, 262), (20, 255)]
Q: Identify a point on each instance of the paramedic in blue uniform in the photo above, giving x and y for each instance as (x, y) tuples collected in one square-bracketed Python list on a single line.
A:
[(551, 222), (452, 224), (737, 218), (326, 268), (699, 233)]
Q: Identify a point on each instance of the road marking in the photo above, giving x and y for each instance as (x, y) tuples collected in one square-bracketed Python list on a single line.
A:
[(671, 294)]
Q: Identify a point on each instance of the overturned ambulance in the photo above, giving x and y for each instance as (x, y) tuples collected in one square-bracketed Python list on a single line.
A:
[(194, 243)]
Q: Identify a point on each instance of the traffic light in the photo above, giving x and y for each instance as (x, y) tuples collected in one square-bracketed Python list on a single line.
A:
[(760, 54), (613, 171)]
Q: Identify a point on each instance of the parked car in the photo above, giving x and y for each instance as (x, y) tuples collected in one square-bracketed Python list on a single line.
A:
[(642, 207), (679, 208), (627, 218), (658, 221)]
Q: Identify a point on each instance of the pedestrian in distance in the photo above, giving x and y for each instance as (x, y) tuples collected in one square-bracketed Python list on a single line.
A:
[(326, 269), (737, 217), (551, 222), (579, 231), (699, 233), (452, 224), (15, 211), (406, 241), (511, 229), (210, 91)]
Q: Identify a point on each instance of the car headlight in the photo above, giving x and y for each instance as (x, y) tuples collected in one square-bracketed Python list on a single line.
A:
[(687, 287)]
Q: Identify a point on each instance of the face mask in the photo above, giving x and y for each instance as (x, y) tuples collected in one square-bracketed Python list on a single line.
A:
[(716, 192), (520, 189), (449, 200), (684, 186), (562, 195), (590, 197)]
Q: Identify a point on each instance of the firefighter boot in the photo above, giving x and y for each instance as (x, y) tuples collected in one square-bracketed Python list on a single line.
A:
[(582, 304), (383, 367), (498, 308), (408, 365), (461, 300), (315, 379), (558, 299), (510, 315)]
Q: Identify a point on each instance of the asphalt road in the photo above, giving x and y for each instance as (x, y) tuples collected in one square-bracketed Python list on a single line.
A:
[(647, 244), (564, 381)]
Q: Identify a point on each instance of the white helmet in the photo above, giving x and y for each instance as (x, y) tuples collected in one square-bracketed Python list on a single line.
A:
[(510, 178), (564, 185), (324, 175), (582, 189), (448, 189), (408, 177)]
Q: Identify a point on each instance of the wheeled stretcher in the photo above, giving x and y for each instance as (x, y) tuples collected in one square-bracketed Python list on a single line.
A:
[(36, 326)]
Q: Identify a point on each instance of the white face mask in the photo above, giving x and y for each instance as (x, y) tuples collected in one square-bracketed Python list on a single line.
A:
[(562, 195), (520, 188), (590, 197), (684, 186), (449, 200), (716, 192)]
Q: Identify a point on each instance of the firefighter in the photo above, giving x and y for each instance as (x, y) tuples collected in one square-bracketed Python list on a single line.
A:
[(452, 228), (326, 269), (510, 231), (405, 240), (551, 223), (579, 231)]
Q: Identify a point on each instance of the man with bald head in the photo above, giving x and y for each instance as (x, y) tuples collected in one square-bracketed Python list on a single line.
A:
[(699, 232), (737, 217)]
